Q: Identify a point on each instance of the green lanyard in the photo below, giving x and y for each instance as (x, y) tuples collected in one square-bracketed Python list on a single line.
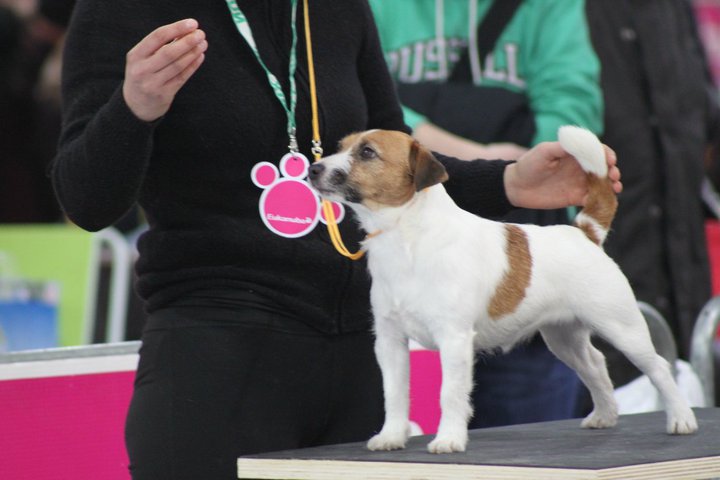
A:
[(244, 28)]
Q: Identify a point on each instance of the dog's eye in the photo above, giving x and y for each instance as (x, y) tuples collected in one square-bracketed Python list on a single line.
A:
[(366, 153)]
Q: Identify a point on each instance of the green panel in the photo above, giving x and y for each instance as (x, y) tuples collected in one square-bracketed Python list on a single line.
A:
[(60, 253)]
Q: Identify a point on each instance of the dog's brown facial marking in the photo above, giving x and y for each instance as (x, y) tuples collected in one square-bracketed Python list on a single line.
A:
[(386, 168), (511, 290), (380, 172), (425, 168), (377, 168)]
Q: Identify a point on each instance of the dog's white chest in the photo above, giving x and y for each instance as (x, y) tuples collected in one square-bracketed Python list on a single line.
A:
[(417, 330), (416, 324), (409, 292)]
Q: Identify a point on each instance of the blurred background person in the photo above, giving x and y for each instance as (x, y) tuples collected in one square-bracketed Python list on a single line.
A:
[(29, 106), (661, 114)]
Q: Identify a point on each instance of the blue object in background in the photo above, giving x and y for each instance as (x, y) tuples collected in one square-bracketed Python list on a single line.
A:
[(28, 316)]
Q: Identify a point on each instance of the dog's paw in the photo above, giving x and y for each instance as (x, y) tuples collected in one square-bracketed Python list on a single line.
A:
[(387, 441), (682, 424), (448, 444), (600, 420)]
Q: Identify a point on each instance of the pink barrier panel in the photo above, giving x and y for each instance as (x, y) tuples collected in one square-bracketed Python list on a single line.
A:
[(712, 233), (425, 381), (66, 427), (707, 13)]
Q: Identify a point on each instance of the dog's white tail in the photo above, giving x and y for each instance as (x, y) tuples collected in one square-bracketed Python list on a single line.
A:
[(599, 210)]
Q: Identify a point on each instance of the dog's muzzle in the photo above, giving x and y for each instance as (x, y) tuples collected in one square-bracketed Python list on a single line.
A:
[(315, 175), (326, 180), (315, 172), (333, 183)]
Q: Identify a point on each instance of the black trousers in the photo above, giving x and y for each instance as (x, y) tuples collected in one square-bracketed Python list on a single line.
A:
[(214, 384)]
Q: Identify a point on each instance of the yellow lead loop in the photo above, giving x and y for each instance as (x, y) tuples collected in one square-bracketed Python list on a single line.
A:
[(332, 225), (334, 232)]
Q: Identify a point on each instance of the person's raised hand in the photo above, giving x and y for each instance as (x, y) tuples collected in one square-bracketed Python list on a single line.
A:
[(158, 66), (549, 177)]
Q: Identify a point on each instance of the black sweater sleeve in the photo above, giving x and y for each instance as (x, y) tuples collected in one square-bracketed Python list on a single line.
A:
[(104, 149), (477, 186)]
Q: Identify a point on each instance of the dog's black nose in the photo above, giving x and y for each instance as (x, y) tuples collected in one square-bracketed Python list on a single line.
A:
[(316, 169)]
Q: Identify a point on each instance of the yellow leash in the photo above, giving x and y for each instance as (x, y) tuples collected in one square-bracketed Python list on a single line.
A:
[(332, 226)]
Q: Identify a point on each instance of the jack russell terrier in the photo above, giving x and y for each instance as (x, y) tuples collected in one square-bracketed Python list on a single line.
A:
[(459, 283)]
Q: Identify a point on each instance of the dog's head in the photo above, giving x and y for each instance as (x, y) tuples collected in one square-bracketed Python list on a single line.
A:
[(376, 169)]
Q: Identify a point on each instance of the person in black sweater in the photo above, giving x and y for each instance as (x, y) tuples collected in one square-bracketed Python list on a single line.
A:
[(255, 341)]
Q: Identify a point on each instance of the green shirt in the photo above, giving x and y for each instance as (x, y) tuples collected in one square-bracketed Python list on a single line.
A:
[(544, 51)]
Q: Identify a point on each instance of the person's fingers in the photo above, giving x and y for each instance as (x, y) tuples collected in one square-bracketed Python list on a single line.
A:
[(180, 66), (162, 36), (143, 68), (614, 173), (172, 52), (552, 150), (158, 66), (610, 156), (176, 82)]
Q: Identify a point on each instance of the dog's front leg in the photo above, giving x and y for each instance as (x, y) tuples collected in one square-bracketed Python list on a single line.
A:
[(391, 350), (457, 357)]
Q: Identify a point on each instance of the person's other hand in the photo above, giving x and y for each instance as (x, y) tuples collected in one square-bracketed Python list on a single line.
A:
[(549, 177), (158, 66), (502, 151), (447, 143)]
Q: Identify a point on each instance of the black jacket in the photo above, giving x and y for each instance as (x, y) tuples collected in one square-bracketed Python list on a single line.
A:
[(659, 113)]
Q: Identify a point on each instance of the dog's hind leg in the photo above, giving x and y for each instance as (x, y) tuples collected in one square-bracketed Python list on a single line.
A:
[(393, 355), (632, 338), (457, 358), (571, 344)]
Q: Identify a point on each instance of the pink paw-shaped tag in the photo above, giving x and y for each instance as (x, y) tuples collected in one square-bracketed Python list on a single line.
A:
[(288, 205)]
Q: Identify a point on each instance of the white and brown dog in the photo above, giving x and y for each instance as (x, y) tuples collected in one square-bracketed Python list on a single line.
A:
[(459, 283)]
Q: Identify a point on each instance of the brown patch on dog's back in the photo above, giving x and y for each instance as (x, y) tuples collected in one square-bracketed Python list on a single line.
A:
[(511, 289)]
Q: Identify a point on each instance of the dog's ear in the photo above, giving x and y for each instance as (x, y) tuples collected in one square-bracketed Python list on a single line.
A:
[(425, 168)]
